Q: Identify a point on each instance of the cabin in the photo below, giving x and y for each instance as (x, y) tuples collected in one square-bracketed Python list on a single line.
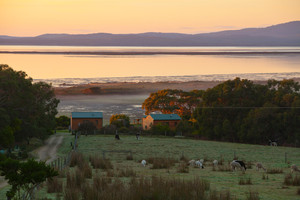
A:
[(154, 119), (78, 118)]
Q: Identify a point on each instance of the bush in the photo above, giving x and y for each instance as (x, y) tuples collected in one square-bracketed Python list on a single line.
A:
[(129, 157), (162, 163), (289, 179), (127, 172), (245, 181), (77, 160), (253, 195), (100, 163), (275, 171), (54, 185), (183, 168)]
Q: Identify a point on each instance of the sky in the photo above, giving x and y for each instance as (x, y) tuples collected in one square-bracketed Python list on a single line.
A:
[(35, 17)]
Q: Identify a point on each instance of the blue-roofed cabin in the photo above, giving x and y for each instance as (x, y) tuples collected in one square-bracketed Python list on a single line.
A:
[(78, 118), (171, 120)]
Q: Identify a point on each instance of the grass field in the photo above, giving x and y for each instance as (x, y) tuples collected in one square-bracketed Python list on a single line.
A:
[(147, 147)]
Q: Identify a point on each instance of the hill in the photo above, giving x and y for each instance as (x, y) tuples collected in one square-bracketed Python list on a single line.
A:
[(286, 34)]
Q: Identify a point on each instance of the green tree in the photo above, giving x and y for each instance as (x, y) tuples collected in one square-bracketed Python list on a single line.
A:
[(24, 176), (120, 120), (33, 104), (62, 122)]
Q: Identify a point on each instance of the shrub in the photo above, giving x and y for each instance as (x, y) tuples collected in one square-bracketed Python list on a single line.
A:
[(245, 181), (100, 163), (275, 171), (54, 185), (127, 172), (87, 170), (289, 179), (252, 195), (162, 163), (224, 168), (71, 194), (129, 157), (183, 168), (76, 160)]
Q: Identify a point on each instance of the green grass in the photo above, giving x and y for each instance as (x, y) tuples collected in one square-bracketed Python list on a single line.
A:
[(271, 157), (146, 147)]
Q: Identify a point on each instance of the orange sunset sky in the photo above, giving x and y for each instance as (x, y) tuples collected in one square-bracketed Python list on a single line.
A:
[(35, 17)]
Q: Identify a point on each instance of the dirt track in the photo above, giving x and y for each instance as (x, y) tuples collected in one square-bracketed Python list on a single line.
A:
[(48, 151)]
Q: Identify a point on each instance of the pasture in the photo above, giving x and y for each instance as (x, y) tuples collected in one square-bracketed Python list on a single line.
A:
[(268, 185)]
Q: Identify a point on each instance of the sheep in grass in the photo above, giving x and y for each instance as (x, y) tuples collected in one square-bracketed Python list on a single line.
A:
[(215, 163), (192, 162), (238, 164), (260, 166), (199, 164), (144, 163), (294, 168)]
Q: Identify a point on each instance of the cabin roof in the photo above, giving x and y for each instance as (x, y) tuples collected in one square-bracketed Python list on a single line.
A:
[(87, 115), (165, 117)]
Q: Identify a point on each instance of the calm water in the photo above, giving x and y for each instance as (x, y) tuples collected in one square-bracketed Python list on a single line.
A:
[(50, 66)]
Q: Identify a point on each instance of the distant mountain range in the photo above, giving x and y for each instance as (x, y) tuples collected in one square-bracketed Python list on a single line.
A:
[(287, 34)]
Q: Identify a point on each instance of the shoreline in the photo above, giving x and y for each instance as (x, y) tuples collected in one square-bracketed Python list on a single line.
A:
[(150, 53), (133, 88)]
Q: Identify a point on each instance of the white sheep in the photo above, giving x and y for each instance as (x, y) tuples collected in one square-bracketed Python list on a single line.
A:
[(215, 163), (236, 164), (199, 164), (144, 163), (294, 168), (192, 162), (260, 166)]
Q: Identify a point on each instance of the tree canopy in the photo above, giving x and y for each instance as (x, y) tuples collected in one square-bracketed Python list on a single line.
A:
[(236, 110), (120, 120), (27, 109), (173, 101)]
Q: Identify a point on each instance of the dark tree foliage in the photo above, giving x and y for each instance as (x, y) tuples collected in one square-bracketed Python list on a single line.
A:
[(24, 176), (237, 110), (241, 111), (120, 120), (173, 101), (62, 122), (26, 109)]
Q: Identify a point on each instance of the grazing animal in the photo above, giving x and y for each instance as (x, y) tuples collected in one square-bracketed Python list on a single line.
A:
[(294, 168), (272, 143), (192, 162), (199, 164), (215, 163), (260, 166), (238, 164), (144, 163)]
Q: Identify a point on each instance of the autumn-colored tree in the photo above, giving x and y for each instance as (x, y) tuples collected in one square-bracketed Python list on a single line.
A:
[(173, 101)]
